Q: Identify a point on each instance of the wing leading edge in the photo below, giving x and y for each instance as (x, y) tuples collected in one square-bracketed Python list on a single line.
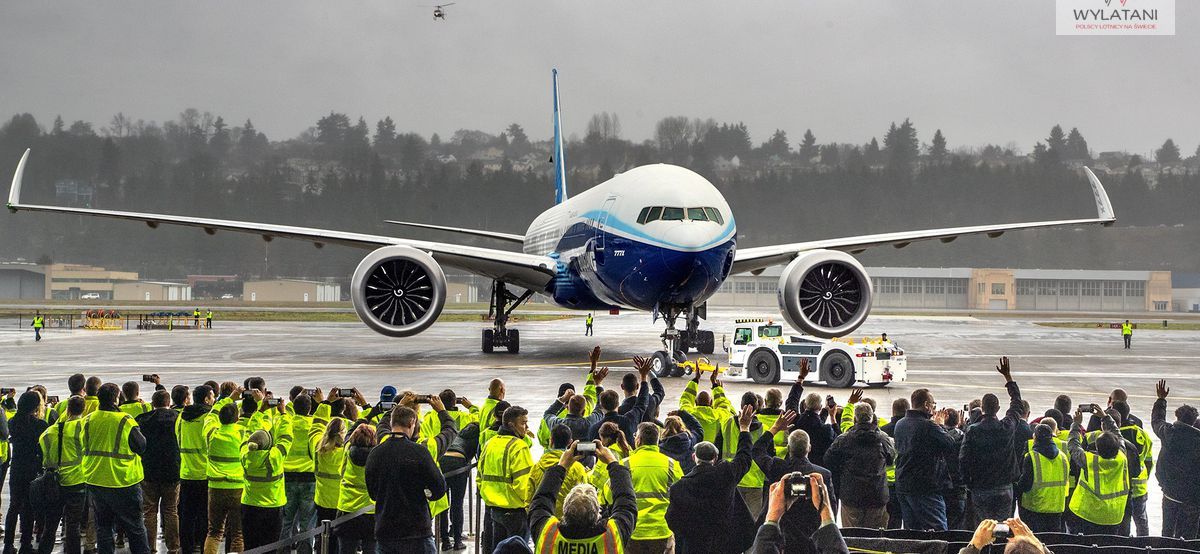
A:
[(762, 257), (523, 270)]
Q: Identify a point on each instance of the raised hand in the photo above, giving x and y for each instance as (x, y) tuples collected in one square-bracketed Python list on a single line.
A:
[(603, 454), (599, 375), (594, 357), (713, 379), (435, 402), (746, 418), (1004, 368), (569, 456), (642, 365), (696, 376), (1161, 389), (566, 397), (855, 396), (783, 422), (804, 370)]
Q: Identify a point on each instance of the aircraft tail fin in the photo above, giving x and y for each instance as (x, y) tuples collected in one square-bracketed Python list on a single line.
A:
[(556, 157)]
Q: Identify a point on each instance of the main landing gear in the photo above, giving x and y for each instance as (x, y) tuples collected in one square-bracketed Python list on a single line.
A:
[(666, 362), (501, 307)]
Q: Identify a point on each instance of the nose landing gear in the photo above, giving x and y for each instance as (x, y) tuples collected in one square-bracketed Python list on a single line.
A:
[(667, 362)]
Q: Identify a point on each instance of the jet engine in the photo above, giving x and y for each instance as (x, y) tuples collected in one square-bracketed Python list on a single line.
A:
[(398, 291), (825, 293)]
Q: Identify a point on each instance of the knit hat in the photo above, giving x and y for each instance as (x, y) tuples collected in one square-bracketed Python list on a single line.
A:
[(260, 440)]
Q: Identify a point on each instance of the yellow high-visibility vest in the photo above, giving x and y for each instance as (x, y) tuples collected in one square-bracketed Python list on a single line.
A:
[(551, 542), (436, 505), (135, 408), (354, 493), (503, 472), (299, 456), (710, 417), (729, 444), (263, 470), (70, 467), (107, 459), (1141, 481), (1103, 489), (224, 469), (653, 474), (39, 322), (1049, 492), (1126, 329)]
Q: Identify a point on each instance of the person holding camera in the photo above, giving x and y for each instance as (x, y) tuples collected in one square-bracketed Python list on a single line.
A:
[(504, 483), (921, 442), (265, 494), (800, 524), (223, 444), (1105, 477), (583, 527), (706, 512), (810, 489), (1020, 540), (160, 463)]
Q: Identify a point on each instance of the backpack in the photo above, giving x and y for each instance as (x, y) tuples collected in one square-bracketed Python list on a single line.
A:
[(44, 490)]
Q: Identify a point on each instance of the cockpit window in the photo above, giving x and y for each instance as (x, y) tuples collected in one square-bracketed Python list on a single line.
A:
[(654, 215), (672, 214), (714, 215), (643, 214), (697, 214)]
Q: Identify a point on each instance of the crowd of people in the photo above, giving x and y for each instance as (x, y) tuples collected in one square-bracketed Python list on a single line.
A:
[(228, 466)]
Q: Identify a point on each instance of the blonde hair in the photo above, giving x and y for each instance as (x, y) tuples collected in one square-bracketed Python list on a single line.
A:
[(333, 437), (673, 426)]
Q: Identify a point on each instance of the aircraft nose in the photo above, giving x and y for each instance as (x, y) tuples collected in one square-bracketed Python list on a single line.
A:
[(692, 235)]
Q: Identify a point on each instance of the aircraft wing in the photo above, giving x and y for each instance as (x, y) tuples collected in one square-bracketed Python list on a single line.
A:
[(762, 257), (508, 237), (523, 270)]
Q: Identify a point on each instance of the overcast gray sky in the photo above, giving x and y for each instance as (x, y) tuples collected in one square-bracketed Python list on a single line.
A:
[(980, 71)]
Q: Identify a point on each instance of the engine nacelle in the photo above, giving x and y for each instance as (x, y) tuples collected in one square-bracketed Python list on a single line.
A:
[(825, 293), (398, 291)]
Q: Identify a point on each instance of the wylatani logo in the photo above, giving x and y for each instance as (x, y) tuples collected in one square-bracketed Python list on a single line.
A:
[(1115, 17)]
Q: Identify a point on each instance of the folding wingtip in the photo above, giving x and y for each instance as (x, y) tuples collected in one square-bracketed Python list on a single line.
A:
[(14, 191), (1104, 208)]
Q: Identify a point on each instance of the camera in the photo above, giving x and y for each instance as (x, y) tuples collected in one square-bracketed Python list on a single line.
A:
[(585, 448), (386, 405), (424, 398), (795, 485), (272, 402), (310, 392), (1085, 408), (148, 377), (247, 395), (345, 393), (52, 400), (1001, 531)]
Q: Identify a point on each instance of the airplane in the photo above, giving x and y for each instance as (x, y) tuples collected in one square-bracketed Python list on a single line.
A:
[(658, 238)]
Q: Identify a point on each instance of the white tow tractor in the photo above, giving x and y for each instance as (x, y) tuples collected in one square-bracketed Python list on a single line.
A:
[(761, 353)]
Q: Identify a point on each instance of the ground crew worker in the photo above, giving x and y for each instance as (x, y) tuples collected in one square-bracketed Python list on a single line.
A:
[(191, 431), (503, 477), (359, 532), (75, 387), (709, 410), (1043, 488), (196, 317), (751, 485), (583, 527), (263, 464), (226, 478), (208, 319), (61, 451), (1127, 333), (560, 440), (112, 470), (653, 474), (1135, 510), (1104, 480), (299, 514), (431, 424), (131, 399), (38, 323), (587, 332), (326, 440)]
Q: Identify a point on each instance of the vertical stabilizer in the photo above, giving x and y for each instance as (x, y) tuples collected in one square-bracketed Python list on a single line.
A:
[(556, 157)]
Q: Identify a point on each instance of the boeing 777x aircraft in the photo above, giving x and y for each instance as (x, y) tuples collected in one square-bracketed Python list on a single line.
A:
[(658, 238)]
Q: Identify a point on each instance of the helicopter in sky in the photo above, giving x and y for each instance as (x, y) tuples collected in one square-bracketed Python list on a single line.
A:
[(438, 11)]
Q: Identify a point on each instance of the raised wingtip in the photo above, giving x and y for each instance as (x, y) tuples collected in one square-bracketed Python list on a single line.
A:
[(14, 191), (1104, 208)]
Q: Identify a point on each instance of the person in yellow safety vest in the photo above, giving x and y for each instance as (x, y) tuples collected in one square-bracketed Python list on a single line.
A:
[(592, 380), (112, 444), (62, 451), (131, 399), (75, 387), (327, 438), (587, 322), (299, 482), (226, 478), (772, 409), (751, 484), (710, 411), (705, 510), (1139, 447), (503, 478), (38, 323), (1104, 479), (583, 527), (1042, 489), (431, 423), (495, 396), (405, 504), (91, 387), (359, 532), (612, 438), (191, 432), (208, 319), (560, 440), (264, 495), (1127, 333), (387, 399), (196, 317), (653, 474)]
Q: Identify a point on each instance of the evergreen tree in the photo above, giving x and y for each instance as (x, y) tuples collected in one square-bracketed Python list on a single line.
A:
[(937, 149), (777, 145), (830, 155), (1168, 154), (901, 144), (220, 142), (385, 134), (808, 147), (1077, 147), (871, 152), (58, 126), (1056, 143)]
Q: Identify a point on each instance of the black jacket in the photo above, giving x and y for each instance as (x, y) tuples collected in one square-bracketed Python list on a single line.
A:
[(826, 540), (656, 395), (983, 445), (160, 463), (627, 421), (402, 478), (802, 520), (820, 434), (858, 460), (707, 514), (25, 456), (1179, 458), (579, 426), (681, 446), (920, 446), (623, 509)]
